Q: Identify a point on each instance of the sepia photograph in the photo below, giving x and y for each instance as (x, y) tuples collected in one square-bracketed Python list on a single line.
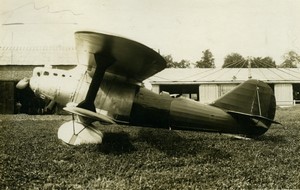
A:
[(148, 94)]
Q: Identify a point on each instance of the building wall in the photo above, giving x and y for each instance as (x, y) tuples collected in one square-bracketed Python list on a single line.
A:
[(155, 88), (284, 94), (18, 72), (210, 92)]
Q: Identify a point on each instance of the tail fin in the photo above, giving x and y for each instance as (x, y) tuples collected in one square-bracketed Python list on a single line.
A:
[(253, 100)]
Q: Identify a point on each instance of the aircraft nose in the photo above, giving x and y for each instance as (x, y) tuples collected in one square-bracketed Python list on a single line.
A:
[(22, 84), (34, 80), (34, 84)]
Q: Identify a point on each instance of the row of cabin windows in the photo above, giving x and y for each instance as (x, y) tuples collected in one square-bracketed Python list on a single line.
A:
[(46, 73)]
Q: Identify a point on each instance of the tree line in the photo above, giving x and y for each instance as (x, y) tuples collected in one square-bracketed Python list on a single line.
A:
[(235, 60)]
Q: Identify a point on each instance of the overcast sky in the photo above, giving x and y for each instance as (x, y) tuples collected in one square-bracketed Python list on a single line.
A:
[(178, 27)]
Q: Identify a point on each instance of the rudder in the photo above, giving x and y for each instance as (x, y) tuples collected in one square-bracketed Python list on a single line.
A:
[(253, 98)]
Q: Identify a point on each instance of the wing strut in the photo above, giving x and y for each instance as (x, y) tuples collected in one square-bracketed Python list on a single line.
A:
[(103, 62)]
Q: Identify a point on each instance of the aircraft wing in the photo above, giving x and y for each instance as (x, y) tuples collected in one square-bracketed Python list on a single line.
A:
[(131, 59)]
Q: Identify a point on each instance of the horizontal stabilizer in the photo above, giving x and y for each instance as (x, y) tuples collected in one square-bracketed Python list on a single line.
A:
[(260, 118), (89, 114)]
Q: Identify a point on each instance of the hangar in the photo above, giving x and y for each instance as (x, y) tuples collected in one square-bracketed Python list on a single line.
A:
[(17, 63), (206, 85)]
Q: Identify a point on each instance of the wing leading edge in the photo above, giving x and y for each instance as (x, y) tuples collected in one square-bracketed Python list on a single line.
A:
[(131, 59)]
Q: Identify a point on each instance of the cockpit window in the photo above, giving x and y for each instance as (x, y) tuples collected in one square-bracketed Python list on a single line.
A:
[(46, 73)]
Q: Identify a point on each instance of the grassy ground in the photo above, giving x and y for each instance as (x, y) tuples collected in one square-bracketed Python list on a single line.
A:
[(32, 157)]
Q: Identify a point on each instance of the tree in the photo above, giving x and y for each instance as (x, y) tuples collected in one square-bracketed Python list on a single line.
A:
[(258, 62), (173, 64), (169, 60), (182, 64), (234, 60), (291, 60), (207, 60)]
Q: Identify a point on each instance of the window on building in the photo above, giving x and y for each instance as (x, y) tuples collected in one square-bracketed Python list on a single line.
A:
[(188, 91)]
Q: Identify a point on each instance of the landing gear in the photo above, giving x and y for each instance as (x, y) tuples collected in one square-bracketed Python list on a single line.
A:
[(81, 131), (74, 133)]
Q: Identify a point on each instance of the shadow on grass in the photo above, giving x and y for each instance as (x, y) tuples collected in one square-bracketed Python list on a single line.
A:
[(116, 143), (168, 142), (272, 138), (173, 144)]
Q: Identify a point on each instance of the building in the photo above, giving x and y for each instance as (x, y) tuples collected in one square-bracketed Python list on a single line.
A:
[(17, 63), (206, 85)]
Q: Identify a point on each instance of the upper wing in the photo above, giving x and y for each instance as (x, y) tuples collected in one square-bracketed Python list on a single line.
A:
[(131, 59)]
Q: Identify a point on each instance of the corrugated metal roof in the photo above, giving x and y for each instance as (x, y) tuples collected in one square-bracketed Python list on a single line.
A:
[(56, 55), (226, 75)]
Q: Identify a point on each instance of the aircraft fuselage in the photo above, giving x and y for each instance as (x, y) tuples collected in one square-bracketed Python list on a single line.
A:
[(150, 109), (135, 105)]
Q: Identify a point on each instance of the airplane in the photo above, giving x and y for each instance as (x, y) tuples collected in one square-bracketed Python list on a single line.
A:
[(107, 86)]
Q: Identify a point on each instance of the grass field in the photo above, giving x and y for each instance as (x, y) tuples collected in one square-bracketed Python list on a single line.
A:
[(32, 157)]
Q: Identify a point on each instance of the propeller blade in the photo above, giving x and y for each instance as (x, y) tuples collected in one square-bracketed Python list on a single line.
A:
[(22, 84)]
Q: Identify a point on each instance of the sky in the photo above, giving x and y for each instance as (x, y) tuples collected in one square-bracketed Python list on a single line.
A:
[(179, 28)]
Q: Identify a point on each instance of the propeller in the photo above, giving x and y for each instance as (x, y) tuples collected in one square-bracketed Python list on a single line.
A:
[(22, 84)]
